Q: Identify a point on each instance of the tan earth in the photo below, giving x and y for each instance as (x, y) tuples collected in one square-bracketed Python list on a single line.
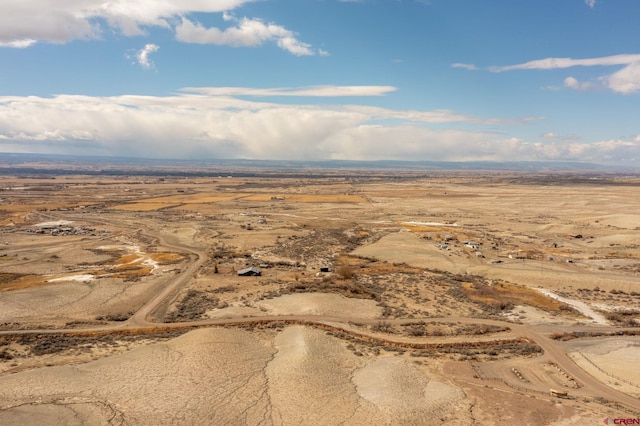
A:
[(383, 298)]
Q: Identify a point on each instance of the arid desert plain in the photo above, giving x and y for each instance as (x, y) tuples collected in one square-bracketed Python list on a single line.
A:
[(351, 298)]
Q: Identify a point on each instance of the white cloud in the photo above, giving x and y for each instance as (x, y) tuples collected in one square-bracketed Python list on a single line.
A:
[(314, 91), (590, 3), (60, 22), (295, 46), (143, 55), (248, 32), (625, 81), (556, 63), (470, 67), (374, 113), (19, 44), (195, 124), (574, 84), (566, 138), (25, 22), (436, 116), (571, 82)]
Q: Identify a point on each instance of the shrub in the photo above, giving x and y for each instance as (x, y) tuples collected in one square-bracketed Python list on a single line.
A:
[(345, 272)]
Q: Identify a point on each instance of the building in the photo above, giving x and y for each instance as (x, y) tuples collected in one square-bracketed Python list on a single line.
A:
[(249, 272), (472, 245)]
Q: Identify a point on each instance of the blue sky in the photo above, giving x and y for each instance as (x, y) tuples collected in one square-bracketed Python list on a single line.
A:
[(441, 80)]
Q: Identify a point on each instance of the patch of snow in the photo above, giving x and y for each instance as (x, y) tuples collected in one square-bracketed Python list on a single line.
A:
[(55, 223), (614, 308), (150, 262), (430, 224), (133, 248), (584, 309), (112, 247), (80, 278)]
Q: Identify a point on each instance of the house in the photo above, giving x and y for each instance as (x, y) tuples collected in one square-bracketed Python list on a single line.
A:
[(249, 272)]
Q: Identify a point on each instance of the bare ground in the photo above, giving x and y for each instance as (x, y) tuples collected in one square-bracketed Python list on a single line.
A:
[(468, 247)]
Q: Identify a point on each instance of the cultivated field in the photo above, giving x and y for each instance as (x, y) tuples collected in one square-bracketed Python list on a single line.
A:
[(404, 298)]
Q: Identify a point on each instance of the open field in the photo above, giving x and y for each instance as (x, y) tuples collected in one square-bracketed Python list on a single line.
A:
[(381, 299)]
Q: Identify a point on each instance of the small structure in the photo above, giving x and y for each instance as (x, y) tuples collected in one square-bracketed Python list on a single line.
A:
[(472, 245), (558, 394), (249, 272), (324, 269)]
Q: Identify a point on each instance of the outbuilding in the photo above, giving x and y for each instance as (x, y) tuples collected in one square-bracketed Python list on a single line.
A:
[(249, 272)]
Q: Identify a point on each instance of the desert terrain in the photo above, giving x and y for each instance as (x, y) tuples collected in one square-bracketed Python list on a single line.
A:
[(392, 297)]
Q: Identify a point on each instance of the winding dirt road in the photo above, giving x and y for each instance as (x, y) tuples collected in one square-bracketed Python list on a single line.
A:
[(538, 334)]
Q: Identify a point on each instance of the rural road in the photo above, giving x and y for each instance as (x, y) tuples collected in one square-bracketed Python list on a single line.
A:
[(139, 319), (538, 334)]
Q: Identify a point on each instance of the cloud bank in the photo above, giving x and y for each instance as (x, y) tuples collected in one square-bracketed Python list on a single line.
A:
[(26, 22), (194, 124)]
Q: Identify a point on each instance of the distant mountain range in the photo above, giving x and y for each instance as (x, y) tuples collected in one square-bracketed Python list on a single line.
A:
[(44, 164)]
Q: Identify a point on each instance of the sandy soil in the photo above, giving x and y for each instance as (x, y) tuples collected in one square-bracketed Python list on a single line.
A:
[(58, 303), (400, 390), (490, 404), (530, 315), (303, 304), (410, 248), (321, 304), (612, 360), (300, 375)]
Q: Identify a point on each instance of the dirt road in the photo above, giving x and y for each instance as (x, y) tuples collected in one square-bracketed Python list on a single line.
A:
[(538, 334)]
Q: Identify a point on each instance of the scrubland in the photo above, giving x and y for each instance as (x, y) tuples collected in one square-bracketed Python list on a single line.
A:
[(411, 298)]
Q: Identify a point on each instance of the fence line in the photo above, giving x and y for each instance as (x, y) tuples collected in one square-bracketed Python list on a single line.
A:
[(613, 376)]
